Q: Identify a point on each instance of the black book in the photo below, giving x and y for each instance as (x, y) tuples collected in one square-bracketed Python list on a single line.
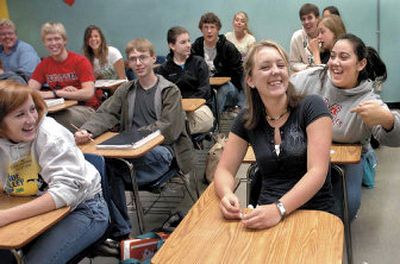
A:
[(127, 140)]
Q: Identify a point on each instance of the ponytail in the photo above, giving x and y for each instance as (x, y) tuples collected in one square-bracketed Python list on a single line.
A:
[(376, 68)]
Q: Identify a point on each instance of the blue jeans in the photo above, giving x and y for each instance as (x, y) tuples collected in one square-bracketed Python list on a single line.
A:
[(353, 175), (82, 227), (227, 96), (148, 168)]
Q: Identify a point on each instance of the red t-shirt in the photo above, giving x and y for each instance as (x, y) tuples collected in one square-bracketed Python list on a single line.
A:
[(74, 70)]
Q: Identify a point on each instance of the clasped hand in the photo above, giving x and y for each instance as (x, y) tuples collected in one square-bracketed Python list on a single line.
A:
[(264, 216)]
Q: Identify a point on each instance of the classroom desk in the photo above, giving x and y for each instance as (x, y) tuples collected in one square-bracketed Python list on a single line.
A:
[(16, 235), (124, 155), (204, 236), (340, 154), (192, 104), (90, 147), (218, 81), (65, 105)]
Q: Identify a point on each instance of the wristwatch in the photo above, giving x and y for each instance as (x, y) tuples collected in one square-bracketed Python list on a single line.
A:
[(54, 93), (281, 209)]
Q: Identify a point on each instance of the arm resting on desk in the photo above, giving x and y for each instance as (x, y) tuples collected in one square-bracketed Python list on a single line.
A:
[(224, 180), (73, 93), (108, 115), (37, 206)]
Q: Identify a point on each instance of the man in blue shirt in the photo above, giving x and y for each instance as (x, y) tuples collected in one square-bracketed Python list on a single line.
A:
[(17, 56)]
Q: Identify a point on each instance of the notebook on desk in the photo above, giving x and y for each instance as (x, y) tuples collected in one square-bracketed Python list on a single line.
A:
[(128, 140), (54, 102), (108, 83)]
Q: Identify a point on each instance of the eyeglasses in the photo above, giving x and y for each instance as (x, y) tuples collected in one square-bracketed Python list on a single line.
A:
[(141, 58), (9, 33)]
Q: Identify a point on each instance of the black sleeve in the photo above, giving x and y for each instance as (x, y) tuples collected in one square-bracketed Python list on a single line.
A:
[(238, 127), (204, 88), (313, 107), (235, 64)]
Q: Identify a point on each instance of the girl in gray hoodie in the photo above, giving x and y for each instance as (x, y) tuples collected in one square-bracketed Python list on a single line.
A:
[(347, 88)]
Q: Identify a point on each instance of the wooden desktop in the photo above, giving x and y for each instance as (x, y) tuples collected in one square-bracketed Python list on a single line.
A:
[(204, 236)]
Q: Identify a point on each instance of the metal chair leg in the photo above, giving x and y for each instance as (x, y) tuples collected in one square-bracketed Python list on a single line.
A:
[(135, 190), (18, 255), (186, 184), (218, 116), (346, 220), (196, 184)]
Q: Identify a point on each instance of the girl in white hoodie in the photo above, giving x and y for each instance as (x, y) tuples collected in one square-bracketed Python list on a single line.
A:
[(38, 157)]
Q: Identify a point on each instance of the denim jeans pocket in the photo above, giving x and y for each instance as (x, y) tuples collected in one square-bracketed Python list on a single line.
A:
[(95, 209)]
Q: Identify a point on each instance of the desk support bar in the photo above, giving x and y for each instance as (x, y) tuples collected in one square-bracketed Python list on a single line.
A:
[(346, 220), (135, 190)]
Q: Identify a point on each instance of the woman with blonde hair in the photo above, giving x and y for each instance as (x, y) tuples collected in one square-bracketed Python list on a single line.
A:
[(241, 36), (291, 138), (329, 29)]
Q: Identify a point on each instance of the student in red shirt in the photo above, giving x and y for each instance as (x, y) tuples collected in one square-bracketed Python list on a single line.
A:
[(68, 75)]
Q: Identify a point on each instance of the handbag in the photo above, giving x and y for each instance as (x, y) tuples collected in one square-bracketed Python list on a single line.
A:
[(141, 249), (213, 156), (369, 163)]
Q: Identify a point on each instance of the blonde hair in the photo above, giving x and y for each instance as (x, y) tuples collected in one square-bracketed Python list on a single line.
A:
[(140, 44), (53, 28), (255, 110), (246, 18), (5, 22), (335, 24), (12, 96)]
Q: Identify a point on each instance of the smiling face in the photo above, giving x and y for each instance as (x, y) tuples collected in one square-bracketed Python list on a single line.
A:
[(55, 45), (210, 33), (310, 23), (22, 123), (8, 37), (182, 46), (326, 37), (94, 40), (344, 66), (269, 75)]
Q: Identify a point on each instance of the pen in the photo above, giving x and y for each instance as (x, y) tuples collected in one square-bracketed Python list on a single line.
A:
[(77, 129)]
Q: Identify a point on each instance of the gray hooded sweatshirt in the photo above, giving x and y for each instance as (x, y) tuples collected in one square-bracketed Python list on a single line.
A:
[(347, 127)]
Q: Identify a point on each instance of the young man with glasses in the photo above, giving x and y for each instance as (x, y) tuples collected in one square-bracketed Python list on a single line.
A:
[(143, 105), (17, 56)]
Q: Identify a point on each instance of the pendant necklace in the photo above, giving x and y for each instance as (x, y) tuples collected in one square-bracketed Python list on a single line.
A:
[(270, 118)]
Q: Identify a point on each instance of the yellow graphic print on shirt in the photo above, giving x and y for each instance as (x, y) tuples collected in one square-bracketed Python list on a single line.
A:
[(23, 177)]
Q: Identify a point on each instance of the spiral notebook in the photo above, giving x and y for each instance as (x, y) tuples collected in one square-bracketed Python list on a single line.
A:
[(128, 140)]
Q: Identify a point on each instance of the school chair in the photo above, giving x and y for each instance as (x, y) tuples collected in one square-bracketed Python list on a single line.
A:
[(157, 187)]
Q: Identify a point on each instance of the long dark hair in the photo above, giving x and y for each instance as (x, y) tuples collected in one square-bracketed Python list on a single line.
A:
[(255, 110), (89, 52), (375, 68)]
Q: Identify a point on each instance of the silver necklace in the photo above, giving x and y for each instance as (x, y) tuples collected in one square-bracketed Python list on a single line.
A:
[(270, 118)]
